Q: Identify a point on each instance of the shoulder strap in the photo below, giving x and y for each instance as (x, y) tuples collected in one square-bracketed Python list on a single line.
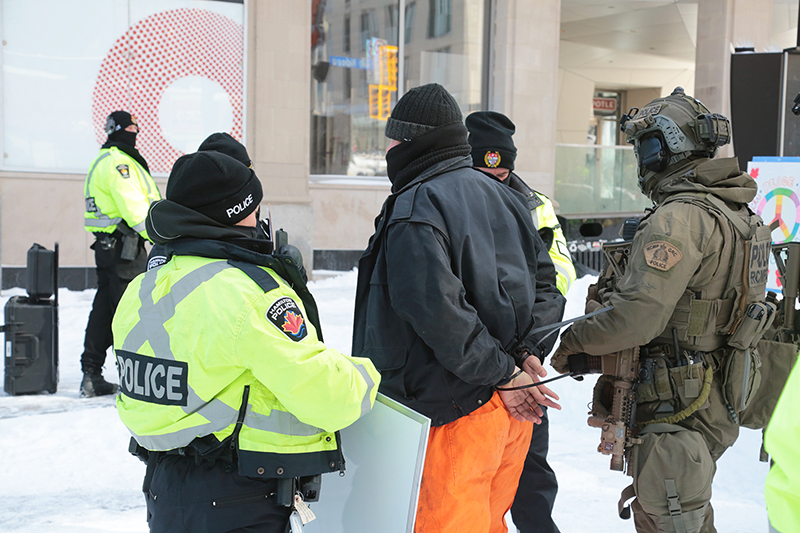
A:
[(706, 198), (257, 274)]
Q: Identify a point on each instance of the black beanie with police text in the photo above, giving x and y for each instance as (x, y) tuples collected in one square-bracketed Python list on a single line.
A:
[(490, 138), (226, 144), (215, 185)]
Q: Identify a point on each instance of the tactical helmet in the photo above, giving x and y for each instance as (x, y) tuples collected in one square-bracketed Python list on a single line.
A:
[(671, 129)]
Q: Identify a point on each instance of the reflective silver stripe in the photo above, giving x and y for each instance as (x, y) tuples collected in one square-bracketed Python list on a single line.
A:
[(280, 422), (150, 328), (177, 439), (102, 222), (145, 174), (138, 228), (366, 406), (563, 272), (89, 177)]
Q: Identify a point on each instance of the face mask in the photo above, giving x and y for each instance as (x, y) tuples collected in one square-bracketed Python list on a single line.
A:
[(123, 136)]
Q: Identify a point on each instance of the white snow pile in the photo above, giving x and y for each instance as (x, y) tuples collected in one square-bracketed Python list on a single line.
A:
[(65, 466)]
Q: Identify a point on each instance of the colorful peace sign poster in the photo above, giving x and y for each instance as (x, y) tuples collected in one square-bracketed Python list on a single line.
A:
[(777, 201)]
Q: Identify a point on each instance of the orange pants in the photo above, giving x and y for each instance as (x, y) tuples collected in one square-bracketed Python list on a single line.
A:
[(471, 472)]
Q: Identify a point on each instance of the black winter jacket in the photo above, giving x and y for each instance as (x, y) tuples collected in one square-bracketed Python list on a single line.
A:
[(447, 287)]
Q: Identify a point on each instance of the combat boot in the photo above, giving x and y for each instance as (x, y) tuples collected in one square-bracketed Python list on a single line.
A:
[(93, 384)]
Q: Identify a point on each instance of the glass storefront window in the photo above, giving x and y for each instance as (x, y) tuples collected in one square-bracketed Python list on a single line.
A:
[(592, 180), (361, 66)]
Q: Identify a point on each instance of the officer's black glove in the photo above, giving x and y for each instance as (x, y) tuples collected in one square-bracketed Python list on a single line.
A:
[(297, 258)]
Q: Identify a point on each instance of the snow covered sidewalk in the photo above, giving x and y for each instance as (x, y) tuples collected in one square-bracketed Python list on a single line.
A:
[(65, 467)]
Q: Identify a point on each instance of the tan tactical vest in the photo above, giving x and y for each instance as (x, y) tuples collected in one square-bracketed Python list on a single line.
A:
[(705, 319)]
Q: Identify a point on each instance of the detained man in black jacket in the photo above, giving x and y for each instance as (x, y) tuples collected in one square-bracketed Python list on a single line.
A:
[(447, 295)]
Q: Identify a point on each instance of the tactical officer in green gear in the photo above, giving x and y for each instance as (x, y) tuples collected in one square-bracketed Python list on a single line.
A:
[(688, 298)]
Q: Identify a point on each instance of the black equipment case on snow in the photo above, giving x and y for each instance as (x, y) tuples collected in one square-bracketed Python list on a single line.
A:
[(31, 328)]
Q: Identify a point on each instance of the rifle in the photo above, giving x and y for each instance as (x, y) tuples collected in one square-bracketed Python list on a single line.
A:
[(618, 426), (785, 326)]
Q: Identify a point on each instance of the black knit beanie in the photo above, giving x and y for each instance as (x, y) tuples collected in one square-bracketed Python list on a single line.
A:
[(422, 110), (224, 143), (215, 185), (490, 138)]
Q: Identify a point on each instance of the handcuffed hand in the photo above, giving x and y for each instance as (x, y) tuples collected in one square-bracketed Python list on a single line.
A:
[(525, 404)]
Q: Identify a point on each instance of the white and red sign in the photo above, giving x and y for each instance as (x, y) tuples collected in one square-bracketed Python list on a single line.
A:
[(605, 105), (177, 65)]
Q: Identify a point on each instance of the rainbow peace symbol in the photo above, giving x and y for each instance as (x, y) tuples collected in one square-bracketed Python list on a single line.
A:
[(779, 194)]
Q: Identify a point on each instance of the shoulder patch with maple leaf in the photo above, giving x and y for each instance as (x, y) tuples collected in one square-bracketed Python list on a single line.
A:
[(285, 315)]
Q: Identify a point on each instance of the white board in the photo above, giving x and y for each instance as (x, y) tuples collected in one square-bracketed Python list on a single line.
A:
[(778, 201), (384, 453)]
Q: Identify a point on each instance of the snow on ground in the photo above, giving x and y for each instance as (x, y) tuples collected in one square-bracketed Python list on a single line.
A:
[(65, 466)]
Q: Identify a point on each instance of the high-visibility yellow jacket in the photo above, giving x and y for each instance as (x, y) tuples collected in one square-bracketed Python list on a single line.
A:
[(544, 218), (117, 188), (225, 348), (782, 490)]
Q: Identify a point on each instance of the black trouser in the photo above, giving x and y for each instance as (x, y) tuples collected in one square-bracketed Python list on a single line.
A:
[(536, 494), (210, 497), (113, 276)]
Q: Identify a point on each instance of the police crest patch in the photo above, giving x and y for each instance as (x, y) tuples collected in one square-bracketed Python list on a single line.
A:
[(661, 255), (492, 159), (285, 315), (123, 170)]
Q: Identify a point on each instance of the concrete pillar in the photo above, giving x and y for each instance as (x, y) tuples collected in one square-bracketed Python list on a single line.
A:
[(722, 25), (523, 82), (278, 111)]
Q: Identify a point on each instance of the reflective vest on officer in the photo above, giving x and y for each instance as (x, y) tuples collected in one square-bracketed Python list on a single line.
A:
[(207, 349), (117, 189), (782, 490), (544, 216)]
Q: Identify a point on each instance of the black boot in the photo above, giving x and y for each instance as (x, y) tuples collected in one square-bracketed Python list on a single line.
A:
[(93, 385)]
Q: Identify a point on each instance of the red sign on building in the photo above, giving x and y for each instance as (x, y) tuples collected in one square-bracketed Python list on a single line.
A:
[(606, 105)]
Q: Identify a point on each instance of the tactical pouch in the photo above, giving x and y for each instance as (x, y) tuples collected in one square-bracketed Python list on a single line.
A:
[(679, 385), (777, 360), (757, 318), (688, 381), (741, 377), (130, 247), (656, 384)]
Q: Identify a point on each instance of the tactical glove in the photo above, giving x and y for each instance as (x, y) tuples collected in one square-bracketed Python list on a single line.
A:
[(560, 359)]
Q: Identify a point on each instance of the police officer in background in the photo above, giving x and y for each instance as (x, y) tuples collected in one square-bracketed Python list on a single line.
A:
[(225, 383), (695, 272), (493, 152), (118, 192)]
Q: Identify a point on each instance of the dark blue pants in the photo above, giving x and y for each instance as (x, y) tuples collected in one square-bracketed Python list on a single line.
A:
[(533, 505), (211, 497)]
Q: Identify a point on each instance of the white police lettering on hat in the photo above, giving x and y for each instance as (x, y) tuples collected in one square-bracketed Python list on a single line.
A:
[(151, 379), (241, 206)]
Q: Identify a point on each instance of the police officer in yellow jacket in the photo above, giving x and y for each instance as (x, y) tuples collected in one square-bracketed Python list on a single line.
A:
[(225, 383), (118, 192), (494, 152), (782, 488)]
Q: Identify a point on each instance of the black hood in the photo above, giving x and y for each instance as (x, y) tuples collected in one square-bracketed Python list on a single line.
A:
[(168, 222)]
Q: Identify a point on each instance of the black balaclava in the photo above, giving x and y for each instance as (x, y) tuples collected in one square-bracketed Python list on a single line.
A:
[(115, 127), (123, 140)]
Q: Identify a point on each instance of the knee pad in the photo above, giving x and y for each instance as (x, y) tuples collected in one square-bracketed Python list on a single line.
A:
[(672, 474)]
